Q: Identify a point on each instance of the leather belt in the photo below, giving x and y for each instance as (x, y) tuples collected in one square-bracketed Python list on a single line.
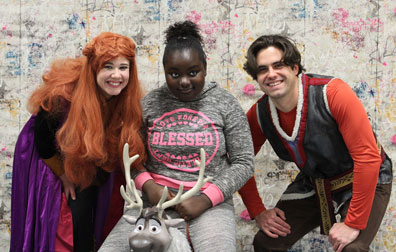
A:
[(324, 188)]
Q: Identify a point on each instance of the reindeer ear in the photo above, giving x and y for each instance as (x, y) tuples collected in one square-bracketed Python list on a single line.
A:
[(173, 222), (130, 219)]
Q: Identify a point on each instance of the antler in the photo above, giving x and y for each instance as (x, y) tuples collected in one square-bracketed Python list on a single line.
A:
[(181, 197), (131, 188)]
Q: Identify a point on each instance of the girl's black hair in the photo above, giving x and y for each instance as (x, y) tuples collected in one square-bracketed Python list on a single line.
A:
[(183, 35)]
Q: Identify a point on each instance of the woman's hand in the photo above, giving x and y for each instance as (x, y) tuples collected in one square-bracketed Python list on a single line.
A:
[(193, 207), (154, 192), (68, 187), (55, 163)]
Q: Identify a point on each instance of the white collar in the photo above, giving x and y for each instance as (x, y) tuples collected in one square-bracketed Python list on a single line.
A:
[(275, 118)]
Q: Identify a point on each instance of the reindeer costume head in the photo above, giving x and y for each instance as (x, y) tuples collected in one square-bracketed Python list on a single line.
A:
[(151, 231)]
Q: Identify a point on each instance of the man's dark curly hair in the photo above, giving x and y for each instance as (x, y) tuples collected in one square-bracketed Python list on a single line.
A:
[(291, 55)]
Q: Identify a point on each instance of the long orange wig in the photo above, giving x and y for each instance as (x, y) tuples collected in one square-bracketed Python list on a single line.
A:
[(95, 130)]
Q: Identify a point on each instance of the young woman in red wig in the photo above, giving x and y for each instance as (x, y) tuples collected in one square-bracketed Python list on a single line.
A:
[(82, 115)]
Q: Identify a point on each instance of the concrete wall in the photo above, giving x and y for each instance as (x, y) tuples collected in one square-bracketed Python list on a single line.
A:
[(354, 40)]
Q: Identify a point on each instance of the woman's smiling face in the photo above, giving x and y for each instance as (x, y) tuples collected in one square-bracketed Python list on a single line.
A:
[(113, 77), (185, 74)]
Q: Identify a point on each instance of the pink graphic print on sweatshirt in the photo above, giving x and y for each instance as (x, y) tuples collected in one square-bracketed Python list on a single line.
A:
[(185, 131)]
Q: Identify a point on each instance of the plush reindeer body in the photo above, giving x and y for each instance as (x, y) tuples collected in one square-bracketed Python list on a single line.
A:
[(154, 230)]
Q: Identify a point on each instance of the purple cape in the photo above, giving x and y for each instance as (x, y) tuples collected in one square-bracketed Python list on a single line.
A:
[(36, 198)]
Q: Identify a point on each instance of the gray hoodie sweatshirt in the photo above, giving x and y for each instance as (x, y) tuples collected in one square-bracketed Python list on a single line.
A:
[(176, 131)]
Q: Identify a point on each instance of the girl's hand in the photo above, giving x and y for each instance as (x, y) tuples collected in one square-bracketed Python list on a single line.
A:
[(154, 192), (193, 207)]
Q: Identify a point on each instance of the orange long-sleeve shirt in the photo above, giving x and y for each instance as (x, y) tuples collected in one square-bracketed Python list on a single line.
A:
[(356, 130)]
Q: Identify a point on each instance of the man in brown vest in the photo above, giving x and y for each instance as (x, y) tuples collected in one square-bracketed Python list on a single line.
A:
[(318, 123)]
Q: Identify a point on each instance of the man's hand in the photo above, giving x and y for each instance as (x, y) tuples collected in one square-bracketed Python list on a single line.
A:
[(194, 206), (154, 192), (341, 235), (68, 187), (273, 223)]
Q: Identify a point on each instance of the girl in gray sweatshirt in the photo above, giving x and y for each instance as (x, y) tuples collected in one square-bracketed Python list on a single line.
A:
[(181, 117)]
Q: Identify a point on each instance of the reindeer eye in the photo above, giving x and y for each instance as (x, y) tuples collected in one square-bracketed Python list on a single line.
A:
[(139, 225), (155, 227)]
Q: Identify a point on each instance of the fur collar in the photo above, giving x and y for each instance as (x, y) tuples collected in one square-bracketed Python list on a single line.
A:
[(275, 117)]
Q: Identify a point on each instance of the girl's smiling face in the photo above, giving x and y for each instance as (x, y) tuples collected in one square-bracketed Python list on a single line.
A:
[(185, 74)]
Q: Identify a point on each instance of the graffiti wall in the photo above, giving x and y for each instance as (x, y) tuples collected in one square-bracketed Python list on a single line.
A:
[(354, 40)]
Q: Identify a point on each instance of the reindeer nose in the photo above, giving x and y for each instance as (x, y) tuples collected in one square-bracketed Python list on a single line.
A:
[(140, 245)]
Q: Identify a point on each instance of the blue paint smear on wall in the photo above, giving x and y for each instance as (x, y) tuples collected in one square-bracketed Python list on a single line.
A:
[(35, 54), (363, 90), (173, 4), (299, 10), (13, 68), (74, 22), (153, 12)]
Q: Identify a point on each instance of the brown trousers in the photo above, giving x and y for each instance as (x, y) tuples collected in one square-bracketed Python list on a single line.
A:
[(303, 216)]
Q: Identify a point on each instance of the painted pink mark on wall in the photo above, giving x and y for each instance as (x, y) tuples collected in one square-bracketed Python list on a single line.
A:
[(194, 17), (248, 89), (209, 28), (6, 31), (393, 139), (369, 24), (353, 32)]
